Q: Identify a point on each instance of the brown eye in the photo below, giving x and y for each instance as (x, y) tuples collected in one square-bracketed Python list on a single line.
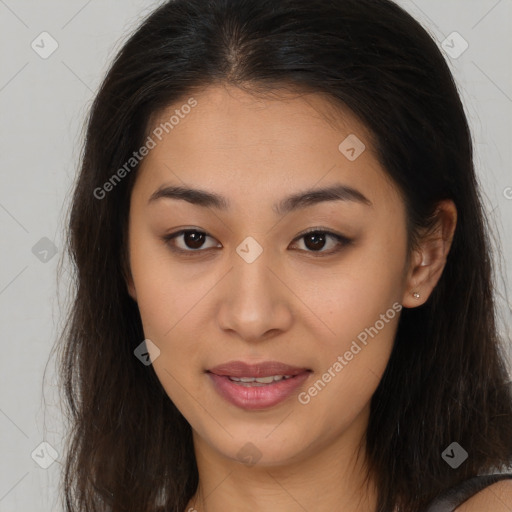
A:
[(191, 240), (321, 242), (317, 240)]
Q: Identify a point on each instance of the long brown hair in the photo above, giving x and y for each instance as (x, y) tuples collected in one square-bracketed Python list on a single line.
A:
[(129, 448)]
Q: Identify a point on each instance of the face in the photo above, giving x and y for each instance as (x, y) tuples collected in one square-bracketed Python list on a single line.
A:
[(231, 286)]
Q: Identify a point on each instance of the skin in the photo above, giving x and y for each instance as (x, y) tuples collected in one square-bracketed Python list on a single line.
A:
[(495, 498), (289, 305)]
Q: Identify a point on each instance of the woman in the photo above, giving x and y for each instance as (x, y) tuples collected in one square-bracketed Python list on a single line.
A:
[(284, 288)]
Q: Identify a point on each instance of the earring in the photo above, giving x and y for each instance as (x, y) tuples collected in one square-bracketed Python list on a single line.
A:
[(416, 295)]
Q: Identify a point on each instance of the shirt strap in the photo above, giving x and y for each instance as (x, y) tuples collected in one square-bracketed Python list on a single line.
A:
[(457, 495)]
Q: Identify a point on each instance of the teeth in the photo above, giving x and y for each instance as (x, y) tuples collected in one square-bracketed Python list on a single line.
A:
[(260, 380)]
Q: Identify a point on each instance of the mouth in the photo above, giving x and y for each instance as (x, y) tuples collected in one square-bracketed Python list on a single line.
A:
[(257, 386), (258, 381), (241, 370)]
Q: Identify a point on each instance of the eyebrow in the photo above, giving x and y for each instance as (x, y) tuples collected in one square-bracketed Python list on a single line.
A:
[(337, 192)]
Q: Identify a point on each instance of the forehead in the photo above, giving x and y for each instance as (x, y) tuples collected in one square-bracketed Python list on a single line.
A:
[(233, 140), (228, 116)]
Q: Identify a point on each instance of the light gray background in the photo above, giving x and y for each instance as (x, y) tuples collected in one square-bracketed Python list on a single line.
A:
[(43, 103)]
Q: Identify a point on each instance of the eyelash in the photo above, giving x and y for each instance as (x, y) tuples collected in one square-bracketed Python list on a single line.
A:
[(343, 241)]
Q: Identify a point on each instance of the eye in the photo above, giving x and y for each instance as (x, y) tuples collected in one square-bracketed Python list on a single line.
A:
[(192, 240), (316, 241)]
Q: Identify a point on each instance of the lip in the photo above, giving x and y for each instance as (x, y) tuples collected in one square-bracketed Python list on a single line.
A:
[(256, 397), (264, 369)]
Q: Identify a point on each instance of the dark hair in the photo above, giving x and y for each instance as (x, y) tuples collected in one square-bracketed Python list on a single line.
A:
[(129, 448)]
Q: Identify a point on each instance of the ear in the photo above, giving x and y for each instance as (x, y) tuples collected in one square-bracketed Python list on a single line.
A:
[(128, 278), (131, 287), (428, 260)]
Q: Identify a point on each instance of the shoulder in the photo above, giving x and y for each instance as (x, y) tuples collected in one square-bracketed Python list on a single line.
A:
[(495, 498)]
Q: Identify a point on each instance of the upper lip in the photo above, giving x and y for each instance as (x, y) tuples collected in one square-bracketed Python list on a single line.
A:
[(263, 369)]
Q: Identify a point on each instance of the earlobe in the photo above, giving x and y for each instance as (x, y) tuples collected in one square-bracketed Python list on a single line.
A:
[(429, 259)]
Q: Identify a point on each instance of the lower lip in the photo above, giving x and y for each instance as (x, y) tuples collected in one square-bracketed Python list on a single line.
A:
[(257, 397)]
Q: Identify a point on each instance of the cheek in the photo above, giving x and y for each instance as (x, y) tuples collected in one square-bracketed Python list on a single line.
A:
[(354, 294), (169, 303), (351, 361), (165, 294), (357, 312)]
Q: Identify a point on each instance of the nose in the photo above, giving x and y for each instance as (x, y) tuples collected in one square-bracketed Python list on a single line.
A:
[(255, 304)]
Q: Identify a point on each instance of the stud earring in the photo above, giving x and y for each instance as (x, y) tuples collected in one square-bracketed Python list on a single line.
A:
[(416, 295)]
